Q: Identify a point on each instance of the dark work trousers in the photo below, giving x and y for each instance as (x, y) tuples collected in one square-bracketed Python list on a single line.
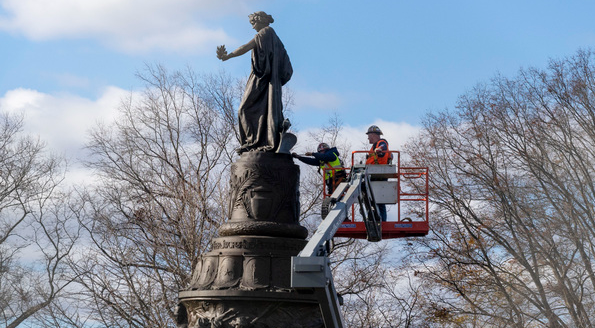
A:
[(334, 181)]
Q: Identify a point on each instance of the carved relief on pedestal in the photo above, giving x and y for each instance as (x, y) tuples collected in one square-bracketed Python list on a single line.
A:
[(229, 273), (246, 263), (205, 272), (264, 200), (256, 314), (265, 188), (257, 272)]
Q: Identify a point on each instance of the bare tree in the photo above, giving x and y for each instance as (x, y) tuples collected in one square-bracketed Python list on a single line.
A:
[(512, 183), (36, 237), (162, 192)]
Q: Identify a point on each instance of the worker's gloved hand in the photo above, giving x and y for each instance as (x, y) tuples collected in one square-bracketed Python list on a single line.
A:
[(294, 155), (308, 154)]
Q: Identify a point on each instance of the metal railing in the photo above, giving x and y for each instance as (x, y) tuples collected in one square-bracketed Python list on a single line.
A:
[(419, 191)]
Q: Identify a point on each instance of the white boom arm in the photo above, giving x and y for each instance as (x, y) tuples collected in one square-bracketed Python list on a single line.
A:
[(310, 270)]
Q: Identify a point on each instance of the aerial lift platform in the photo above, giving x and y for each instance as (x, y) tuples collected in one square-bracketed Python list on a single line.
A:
[(367, 186)]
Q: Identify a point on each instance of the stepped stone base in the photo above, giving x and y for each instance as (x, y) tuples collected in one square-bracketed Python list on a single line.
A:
[(244, 281)]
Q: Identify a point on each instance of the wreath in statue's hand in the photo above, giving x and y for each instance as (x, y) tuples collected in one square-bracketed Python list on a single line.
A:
[(222, 53)]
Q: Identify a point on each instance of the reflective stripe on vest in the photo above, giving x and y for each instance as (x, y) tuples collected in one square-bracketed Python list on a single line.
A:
[(330, 165), (373, 158)]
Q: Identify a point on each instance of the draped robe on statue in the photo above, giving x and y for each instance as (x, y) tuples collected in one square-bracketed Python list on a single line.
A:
[(261, 110)]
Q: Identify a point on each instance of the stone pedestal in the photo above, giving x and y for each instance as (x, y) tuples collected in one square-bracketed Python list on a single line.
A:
[(244, 281)]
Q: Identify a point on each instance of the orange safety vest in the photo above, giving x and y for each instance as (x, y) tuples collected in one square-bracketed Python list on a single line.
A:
[(373, 158)]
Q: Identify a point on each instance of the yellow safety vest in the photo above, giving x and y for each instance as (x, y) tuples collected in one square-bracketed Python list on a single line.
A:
[(330, 165)]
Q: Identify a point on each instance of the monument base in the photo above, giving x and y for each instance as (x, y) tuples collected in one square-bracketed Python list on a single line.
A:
[(251, 310), (244, 281)]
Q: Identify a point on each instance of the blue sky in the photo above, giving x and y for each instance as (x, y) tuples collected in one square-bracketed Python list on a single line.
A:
[(65, 63)]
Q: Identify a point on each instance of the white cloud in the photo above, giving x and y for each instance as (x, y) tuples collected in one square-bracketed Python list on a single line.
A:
[(396, 133), (62, 121), (354, 137), (127, 25)]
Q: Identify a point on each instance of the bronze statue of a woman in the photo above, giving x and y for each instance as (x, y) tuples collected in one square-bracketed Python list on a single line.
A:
[(261, 110)]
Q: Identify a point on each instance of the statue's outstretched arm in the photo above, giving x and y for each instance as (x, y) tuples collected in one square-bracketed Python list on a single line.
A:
[(223, 55)]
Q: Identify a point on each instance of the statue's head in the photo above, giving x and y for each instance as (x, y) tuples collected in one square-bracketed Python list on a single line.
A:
[(261, 18)]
